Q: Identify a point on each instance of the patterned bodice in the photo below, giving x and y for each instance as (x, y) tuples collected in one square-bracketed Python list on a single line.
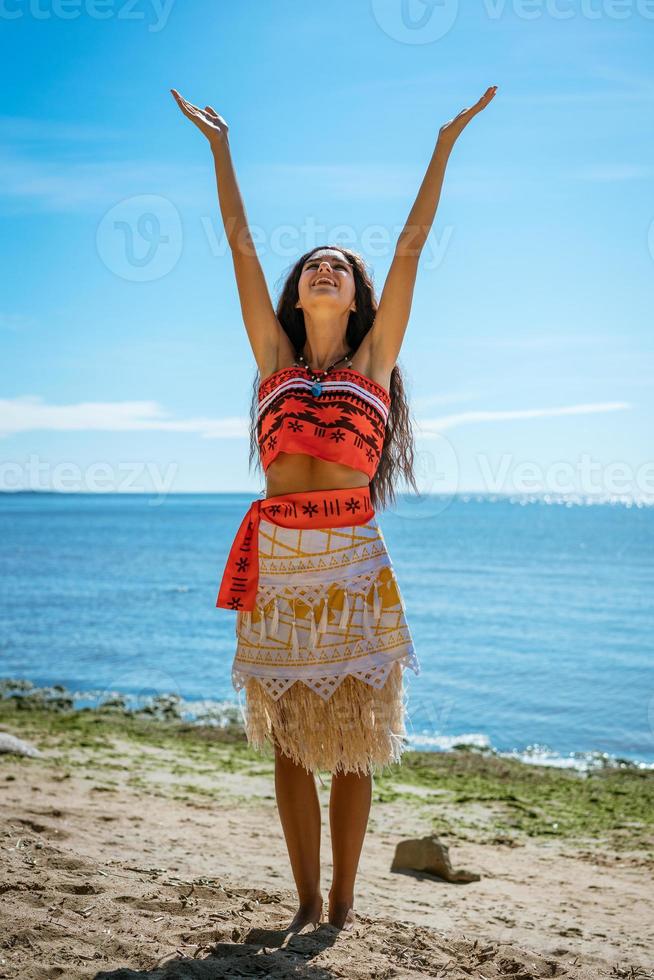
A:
[(345, 423)]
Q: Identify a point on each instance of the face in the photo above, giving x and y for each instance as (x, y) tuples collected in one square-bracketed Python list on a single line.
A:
[(326, 279)]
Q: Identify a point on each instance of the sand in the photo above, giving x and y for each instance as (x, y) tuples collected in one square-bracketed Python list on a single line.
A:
[(124, 857)]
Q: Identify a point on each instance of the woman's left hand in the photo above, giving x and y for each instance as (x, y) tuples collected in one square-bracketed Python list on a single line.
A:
[(450, 132)]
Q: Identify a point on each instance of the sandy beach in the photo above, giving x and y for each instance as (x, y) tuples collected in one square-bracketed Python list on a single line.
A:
[(134, 847)]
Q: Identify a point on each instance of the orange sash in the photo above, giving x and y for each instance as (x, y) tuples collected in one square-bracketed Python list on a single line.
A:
[(303, 509)]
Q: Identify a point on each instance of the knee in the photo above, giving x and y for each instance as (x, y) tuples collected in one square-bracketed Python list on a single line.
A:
[(358, 777), (284, 761)]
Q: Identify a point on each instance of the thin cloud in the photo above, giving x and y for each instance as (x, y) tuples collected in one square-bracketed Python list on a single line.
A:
[(421, 402), (29, 129), (344, 181), (601, 98), (636, 88), (47, 184), (610, 172), (372, 181), (429, 427), (541, 342), (75, 186), (16, 321), (637, 80), (31, 413)]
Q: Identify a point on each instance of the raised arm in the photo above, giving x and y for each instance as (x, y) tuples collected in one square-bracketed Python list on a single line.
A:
[(385, 337), (263, 328)]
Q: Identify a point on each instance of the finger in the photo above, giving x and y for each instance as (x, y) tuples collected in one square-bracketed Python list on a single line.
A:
[(192, 110), (480, 103), (181, 102), (189, 113), (210, 109), (189, 105), (197, 116)]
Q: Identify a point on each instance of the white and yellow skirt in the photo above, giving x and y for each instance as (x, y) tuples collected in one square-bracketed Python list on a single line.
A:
[(321, 656)]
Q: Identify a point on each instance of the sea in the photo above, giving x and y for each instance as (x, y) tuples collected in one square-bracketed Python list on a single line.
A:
[(532, 618)]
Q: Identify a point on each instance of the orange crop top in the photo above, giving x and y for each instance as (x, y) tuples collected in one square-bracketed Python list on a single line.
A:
[(345, 423)]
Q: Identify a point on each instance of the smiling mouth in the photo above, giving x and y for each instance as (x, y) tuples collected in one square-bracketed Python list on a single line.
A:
[(323, 281)]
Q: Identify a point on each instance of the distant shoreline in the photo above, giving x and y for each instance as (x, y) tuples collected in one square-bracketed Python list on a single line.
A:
[(467, 496)]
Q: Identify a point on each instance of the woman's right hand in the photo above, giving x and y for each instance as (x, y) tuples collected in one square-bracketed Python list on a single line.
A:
[(207, 120)]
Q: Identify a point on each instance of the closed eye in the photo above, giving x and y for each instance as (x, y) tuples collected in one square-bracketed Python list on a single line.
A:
[(337, 265)]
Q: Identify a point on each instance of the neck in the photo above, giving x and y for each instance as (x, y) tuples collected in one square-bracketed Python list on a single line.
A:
[(320, 352)]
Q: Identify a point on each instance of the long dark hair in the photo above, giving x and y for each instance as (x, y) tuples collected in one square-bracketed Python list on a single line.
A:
[(397, 458)]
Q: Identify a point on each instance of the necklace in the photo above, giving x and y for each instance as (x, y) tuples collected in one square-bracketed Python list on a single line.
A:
[(318, 377)]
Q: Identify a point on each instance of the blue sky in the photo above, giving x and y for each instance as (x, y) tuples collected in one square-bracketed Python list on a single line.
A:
[(125, 363)]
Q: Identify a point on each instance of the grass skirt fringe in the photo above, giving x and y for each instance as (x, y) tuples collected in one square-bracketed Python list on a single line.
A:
[(359, 728)]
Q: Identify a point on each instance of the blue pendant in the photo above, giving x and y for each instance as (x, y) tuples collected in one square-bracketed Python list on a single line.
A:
[(316, 388)]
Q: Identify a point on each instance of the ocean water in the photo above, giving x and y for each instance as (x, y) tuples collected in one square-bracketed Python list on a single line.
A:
[(533, 622)]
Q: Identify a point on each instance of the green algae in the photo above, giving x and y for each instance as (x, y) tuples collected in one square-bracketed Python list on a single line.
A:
[(538, 801), (465, 791)]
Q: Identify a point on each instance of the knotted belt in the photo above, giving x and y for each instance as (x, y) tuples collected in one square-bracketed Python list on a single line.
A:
[(303, 509)]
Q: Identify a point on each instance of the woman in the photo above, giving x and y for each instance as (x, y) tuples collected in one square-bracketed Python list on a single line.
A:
[(322, 639)]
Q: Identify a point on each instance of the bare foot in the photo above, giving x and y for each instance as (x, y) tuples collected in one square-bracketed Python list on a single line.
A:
[(306, 913), (341, 915)]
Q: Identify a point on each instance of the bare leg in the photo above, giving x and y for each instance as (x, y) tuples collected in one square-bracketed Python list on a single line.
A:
[(299, 812), (349, 808)]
